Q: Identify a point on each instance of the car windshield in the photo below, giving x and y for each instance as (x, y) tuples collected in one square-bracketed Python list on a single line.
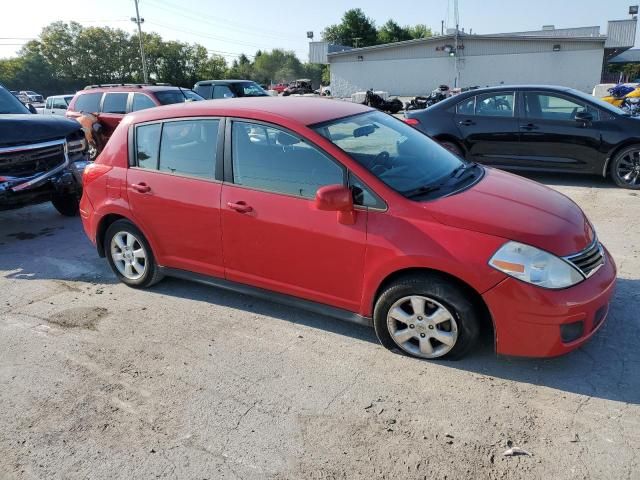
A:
[(168, 97), (600, 103), (248, 89), (402, 157), (29, 92), (10, 104)]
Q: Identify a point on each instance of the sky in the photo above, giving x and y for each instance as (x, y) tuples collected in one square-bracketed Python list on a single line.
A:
[(230, 28)]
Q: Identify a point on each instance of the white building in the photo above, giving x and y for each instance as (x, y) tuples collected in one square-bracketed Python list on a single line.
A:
[(571, 57)]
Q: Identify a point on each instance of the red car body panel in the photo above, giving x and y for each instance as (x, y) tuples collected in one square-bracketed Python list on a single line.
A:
[(527, 320), (285, 244)]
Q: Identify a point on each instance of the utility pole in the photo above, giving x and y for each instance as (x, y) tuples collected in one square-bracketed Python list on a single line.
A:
[(139, 22), (455, 60)]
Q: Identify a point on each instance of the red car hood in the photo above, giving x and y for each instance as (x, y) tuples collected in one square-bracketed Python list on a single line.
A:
[(515, 208)]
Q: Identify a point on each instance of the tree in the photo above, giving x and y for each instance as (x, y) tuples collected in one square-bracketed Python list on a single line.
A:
[(419, 30), (354, 28), (392, 32)]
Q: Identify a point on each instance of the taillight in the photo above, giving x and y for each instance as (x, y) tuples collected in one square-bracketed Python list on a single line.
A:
[(93, 171), (411, 121)]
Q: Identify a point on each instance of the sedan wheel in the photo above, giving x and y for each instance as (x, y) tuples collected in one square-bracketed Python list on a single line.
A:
[(129, 255), (422, 327), (625, 168)]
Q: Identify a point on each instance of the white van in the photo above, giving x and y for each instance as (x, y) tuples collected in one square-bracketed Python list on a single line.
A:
[(57, 104)]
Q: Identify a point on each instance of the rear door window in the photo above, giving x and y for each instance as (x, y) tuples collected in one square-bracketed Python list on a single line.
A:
[(88, 103), (466, 107), (148, 145), (495, 104), (59, 103), (141, 102), (115, 103), (188, 147)]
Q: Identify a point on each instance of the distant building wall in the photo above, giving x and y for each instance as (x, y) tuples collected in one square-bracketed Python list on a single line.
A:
[(417, 68)]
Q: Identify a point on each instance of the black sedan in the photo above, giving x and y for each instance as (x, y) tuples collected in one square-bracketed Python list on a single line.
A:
[(538, 128)]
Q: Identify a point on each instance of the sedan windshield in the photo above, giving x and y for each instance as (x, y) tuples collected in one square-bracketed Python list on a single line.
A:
[(248, 89), (402, 157), (10, 104), (168, 97)]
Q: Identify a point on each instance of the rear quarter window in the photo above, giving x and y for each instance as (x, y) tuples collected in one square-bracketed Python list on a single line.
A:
[(115, 103), (88, 102)]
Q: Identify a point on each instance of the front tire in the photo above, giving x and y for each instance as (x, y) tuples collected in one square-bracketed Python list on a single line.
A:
[(625, 168), (67, 205), (130, 256), (426, 316)]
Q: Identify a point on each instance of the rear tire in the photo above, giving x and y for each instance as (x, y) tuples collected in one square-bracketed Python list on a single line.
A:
[(625, 168), (426, 316), (67, 205), (130, 256)]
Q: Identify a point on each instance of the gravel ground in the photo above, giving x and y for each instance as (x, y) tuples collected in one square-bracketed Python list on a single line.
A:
[(187, 381)]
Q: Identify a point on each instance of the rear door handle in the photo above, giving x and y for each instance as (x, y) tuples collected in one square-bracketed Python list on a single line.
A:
[(241, 207), (141, 187), (466, 123), (529, 126)]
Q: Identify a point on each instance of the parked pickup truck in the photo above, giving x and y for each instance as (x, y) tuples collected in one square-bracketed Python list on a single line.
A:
[(42, 158), (56, 105)]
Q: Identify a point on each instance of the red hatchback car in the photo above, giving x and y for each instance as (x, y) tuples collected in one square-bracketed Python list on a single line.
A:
[(347, 211)]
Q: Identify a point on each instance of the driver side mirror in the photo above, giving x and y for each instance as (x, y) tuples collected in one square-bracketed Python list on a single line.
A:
[(584, 117), (337, 198)]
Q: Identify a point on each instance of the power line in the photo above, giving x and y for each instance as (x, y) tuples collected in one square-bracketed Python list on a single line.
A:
[(204, 18), (206, 35)]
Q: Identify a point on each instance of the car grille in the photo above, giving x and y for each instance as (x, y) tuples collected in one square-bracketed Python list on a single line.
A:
[(589, 260), (30, 160)]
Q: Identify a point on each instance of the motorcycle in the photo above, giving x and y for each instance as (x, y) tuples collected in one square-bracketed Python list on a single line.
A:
[(625, 97), (376, 101), (437, 95)]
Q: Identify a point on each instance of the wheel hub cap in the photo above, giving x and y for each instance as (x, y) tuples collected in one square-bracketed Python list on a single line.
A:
[(422, 326), (128, 255)]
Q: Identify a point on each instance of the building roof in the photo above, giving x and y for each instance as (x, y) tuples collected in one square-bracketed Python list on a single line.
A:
[(465, 36), (630, 56), (301, 110)]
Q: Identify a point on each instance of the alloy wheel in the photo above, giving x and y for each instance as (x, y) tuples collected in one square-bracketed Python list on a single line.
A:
[(628, 168), (128, 255), (421, 326)]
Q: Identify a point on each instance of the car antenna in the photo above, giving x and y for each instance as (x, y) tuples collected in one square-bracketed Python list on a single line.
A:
[(185, 97)]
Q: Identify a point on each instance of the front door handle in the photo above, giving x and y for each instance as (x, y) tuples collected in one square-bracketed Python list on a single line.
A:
[(241, 207), (529, 126), (466, 123), (141, 187)]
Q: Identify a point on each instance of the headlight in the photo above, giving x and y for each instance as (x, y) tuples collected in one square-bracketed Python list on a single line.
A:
[(633, 99), (534, 266), (76, 146)]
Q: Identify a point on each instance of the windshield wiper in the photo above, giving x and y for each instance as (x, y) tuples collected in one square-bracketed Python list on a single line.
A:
[(419, 192)]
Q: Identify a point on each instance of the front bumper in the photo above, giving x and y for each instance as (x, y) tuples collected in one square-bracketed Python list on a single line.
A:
[(528, 319)]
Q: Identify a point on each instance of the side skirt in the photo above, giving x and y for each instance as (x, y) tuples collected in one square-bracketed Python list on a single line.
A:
[(263, 294)]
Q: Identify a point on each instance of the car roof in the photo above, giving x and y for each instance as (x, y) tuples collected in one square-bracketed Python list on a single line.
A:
[(132, 88), (222, 82), (498, 88), (302, 110)]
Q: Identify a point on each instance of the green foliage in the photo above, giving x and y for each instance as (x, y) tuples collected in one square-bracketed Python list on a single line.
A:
[(355, 24)]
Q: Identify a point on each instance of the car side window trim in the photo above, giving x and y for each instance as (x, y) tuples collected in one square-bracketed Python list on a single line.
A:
[(218, 169), (228, 158)]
